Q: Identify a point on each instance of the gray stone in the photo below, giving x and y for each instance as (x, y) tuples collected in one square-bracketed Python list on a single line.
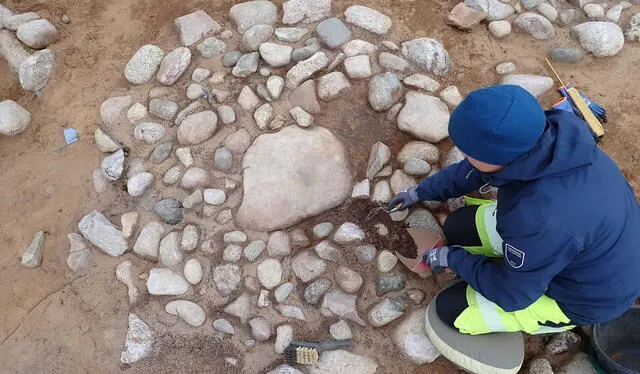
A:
[(13, 22), (224, 326), (322, 230), (411, 339), (367, 18), (144, 64), (384, 91), (386, 283), (535, 84), (401, 181), (32, 255), (148, 242), (200, 74), (316, 290), (189, 240), (231, 58), (14, 119), (566, 55), (303, 70), (415, 295), (226, 114), (378, 157), (163, 109), (500, 29), (190, 312), (420, 150), (495, 9), (303, 119), (283, 156), (382, 192), (275, 85), (299, 238), (340, 330), (193, 178), (36, 70), (194, 91), (386, 261), (348, 233), (197, 128), (332, 86), (100, 182), (139, 341), (349, 280), (138, 183), (276, 55), (262, 115), (536, 25), (235, 237), (386, 311), (579, 364), (343, 362), (38, 34), (104, 142), (124, 275), (239, 141), (169, 210), (290, 311), (232, 253), (195, 26), (260, 329), (366, 253), (600, 38), (173, 65), (307, 266), (358, 67), (423, 219), (136, 112), (270, 273), (149, 132), (425, 117), (246, 65), (632, 31), (415, 166), (193, 200), (185, 157), (530, 4), (540, 366), (227, 278), (563, 342), (240, 308), (361, 190), (248, 14), (223, 159), (452, 157), (279, 244), (169, 251), (390, 45), (593, 11), (166, 282), (428, 54), (254, 249), (342, 305), (111, 109), (128, 222), (283, 291), (97, 229), (161, 152), (12, 50), (284, 335), (312, 46), (390, 61), (505, 68), (333, 32), (327, 251), (307, 11), (358, 47), (80, 257), (548, 11), (248, 99), (305, 97), (290, 34), (614, 13)]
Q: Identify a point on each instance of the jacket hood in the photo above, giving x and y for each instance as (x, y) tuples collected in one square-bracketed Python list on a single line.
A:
[(565, 145)]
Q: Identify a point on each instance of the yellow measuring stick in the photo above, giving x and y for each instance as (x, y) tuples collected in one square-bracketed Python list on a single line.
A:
[(578, 101)]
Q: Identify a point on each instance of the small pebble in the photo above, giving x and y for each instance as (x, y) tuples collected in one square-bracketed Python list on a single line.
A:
[(340, 330), (506, 68), (386, 261), (65, 19), (265, 72)]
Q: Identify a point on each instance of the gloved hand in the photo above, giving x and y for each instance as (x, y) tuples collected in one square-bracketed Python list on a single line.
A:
[(595, 108), (404, 199), (437, 259)]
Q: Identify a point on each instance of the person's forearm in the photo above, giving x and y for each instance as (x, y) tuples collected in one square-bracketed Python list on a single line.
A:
[(456, 180)]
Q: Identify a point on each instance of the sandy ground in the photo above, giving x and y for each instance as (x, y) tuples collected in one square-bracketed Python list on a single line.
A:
[(53, 321)]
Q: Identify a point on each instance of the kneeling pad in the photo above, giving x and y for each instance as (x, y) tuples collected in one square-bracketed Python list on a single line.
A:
[(496, 353)]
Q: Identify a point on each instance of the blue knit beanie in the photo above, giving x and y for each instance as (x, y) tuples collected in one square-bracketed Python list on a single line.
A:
[(497, 124)]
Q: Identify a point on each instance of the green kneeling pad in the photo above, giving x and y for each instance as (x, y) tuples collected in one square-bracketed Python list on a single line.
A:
[(496, 353)]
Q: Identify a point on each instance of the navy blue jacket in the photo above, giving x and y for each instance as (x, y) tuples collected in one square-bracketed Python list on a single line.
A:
[(570, 224)]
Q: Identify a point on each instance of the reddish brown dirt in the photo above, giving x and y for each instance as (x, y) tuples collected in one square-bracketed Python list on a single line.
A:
[(52, 321)]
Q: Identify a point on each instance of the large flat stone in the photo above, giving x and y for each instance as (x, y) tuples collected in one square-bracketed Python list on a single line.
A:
[(292, 175)]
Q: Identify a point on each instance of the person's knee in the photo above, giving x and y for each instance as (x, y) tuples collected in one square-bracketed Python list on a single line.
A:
[(460, 227), (451, 302)]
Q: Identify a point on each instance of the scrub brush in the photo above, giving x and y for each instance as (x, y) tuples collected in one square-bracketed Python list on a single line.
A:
[(307, 353)]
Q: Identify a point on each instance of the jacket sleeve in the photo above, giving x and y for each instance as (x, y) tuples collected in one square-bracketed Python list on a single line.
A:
[(531, 261), (456, 180)]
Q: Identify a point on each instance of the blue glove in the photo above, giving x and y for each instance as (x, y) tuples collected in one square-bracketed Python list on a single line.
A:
[(437, 259), (404, 199)]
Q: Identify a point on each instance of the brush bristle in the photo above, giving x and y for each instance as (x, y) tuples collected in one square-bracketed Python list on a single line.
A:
[(306, 356)]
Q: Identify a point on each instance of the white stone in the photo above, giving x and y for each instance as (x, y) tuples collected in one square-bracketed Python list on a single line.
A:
[(384, 91), (195, 26), (342, 305), (32, 255), (349, 280), (327, 251), (189, 240), (275, 85), (137, 112), (415, 166), (270, 273), (124, 274), (340, 330), (451, 96), (505, 68), (260, 328), (307, 266), (214, 196), (284, 335), (111, 109), (361, 190), (276, 55), (283, 291), (593, 11), (535, 84), (190, 312), (332, 86), (500, 29), (224, 326), (401, 181), (148, 241), (268, 203), (166, 282), (386, 261), (138, 184), (411, 339), (358, 47), (343, 362), (600, 38), (139, 341), (290, 311), (170, 254), (614, 13), (197, 128), (248, 100), (149, 132), (536, 25), (358, 67), (194, 178), (382, 192), (378, 157), (279, 244), (254, 249), (390, 61), (579, 364), (251, 13), (428, 54), (173, 65), (495, 9), (348, 233), (420, 150), (425, 117), (307, 11), (232, 253), (385, 312), (255, 36), (303, 119), (226, 114), (290, 34), (193, 271), (422, 81), (227, 278), (13, 22), (144, 64), (548, 11), (97, 229), (303, 70), (128, 222), (367, 18), (240, 308), (36, 70), (262, 115), (200, 74), (38, 34), (235, 237)]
